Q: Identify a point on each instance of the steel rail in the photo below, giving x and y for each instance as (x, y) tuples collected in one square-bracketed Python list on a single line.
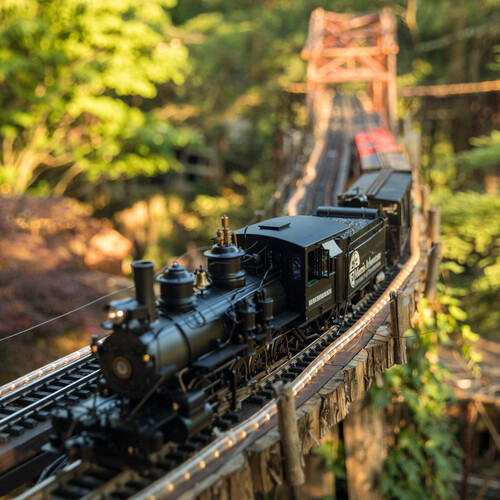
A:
[(237, 435), (48, 399), (56, 485), (41, 374)]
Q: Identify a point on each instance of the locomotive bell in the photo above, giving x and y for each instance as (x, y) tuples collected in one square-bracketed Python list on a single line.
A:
[(176, 285), (202, 280), (224, 259)]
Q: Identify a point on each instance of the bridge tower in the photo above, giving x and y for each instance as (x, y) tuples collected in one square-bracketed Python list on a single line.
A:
[(353, 47)]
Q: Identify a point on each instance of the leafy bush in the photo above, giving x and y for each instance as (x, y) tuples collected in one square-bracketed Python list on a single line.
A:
[(424, 456), (73, 77)]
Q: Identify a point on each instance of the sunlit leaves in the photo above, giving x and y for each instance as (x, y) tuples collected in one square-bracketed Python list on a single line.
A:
[(72, 76), (471, 270)]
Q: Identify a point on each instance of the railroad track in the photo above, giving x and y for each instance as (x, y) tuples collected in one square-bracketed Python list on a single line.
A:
[(328, 176), (328, 165), (170, 470), (173, 467), (349, 105), (25, 407)]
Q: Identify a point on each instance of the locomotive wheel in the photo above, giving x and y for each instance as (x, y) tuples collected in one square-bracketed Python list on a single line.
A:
[(241, 369), (280, 348), (258, 362)]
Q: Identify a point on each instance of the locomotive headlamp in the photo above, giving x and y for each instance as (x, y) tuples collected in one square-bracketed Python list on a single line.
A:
[(117, 316), (122, 367)]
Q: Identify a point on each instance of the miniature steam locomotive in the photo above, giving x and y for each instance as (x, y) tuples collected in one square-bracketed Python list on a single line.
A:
[(173, 362)]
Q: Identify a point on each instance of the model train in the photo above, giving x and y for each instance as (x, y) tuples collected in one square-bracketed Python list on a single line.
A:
[(171, 362)]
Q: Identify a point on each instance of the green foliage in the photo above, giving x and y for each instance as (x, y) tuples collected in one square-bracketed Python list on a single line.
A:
[(484, 157), (471, 271), (470, 222), (471, 229), (425, 456), (333, 455), (162, 226), (73, 75), (467, 169), (242, 54)]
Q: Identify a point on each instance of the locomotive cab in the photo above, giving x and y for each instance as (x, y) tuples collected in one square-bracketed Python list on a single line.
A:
[(304, 250)]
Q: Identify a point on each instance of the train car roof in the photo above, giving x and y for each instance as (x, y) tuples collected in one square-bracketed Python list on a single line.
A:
[(300, 230), (384, 185)]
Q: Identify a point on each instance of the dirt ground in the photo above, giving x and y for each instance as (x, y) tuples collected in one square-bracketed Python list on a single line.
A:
[(54, 257)]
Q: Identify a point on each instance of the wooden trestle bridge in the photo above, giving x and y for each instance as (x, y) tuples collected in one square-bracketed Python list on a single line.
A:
[(247, 458)]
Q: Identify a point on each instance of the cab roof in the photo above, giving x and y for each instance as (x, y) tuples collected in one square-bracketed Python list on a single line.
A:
[(300, 230)]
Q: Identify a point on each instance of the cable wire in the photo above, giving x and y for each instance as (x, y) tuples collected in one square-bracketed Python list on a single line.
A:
[(27, 330), (66, 313)]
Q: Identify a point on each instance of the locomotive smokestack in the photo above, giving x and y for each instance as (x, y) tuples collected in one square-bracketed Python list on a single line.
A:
[(143, 278)]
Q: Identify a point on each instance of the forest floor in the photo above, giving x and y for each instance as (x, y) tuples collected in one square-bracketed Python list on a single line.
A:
[(468, 384), (54, 257)]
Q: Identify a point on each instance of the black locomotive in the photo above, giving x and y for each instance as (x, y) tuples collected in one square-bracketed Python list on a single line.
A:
[(170, 363), (173, 362)]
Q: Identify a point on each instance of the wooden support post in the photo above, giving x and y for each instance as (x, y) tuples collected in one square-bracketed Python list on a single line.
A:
[(469, 438), (425, 203), (397, 327), (290, 443), (434, 234), (392, 95), (433, 271), (434, 227), (365, 450), (320, 482), (413, 150)]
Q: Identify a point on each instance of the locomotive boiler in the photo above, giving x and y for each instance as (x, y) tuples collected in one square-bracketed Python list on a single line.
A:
[(222, 310)]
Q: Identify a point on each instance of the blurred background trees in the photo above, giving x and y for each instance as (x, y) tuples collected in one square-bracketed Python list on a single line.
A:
[(100, 100), (78, 83)]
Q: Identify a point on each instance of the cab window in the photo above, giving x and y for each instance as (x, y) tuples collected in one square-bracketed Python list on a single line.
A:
[(318, 265), (296, 267)]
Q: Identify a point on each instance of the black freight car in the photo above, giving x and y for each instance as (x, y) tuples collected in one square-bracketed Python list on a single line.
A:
[(389, 192)]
